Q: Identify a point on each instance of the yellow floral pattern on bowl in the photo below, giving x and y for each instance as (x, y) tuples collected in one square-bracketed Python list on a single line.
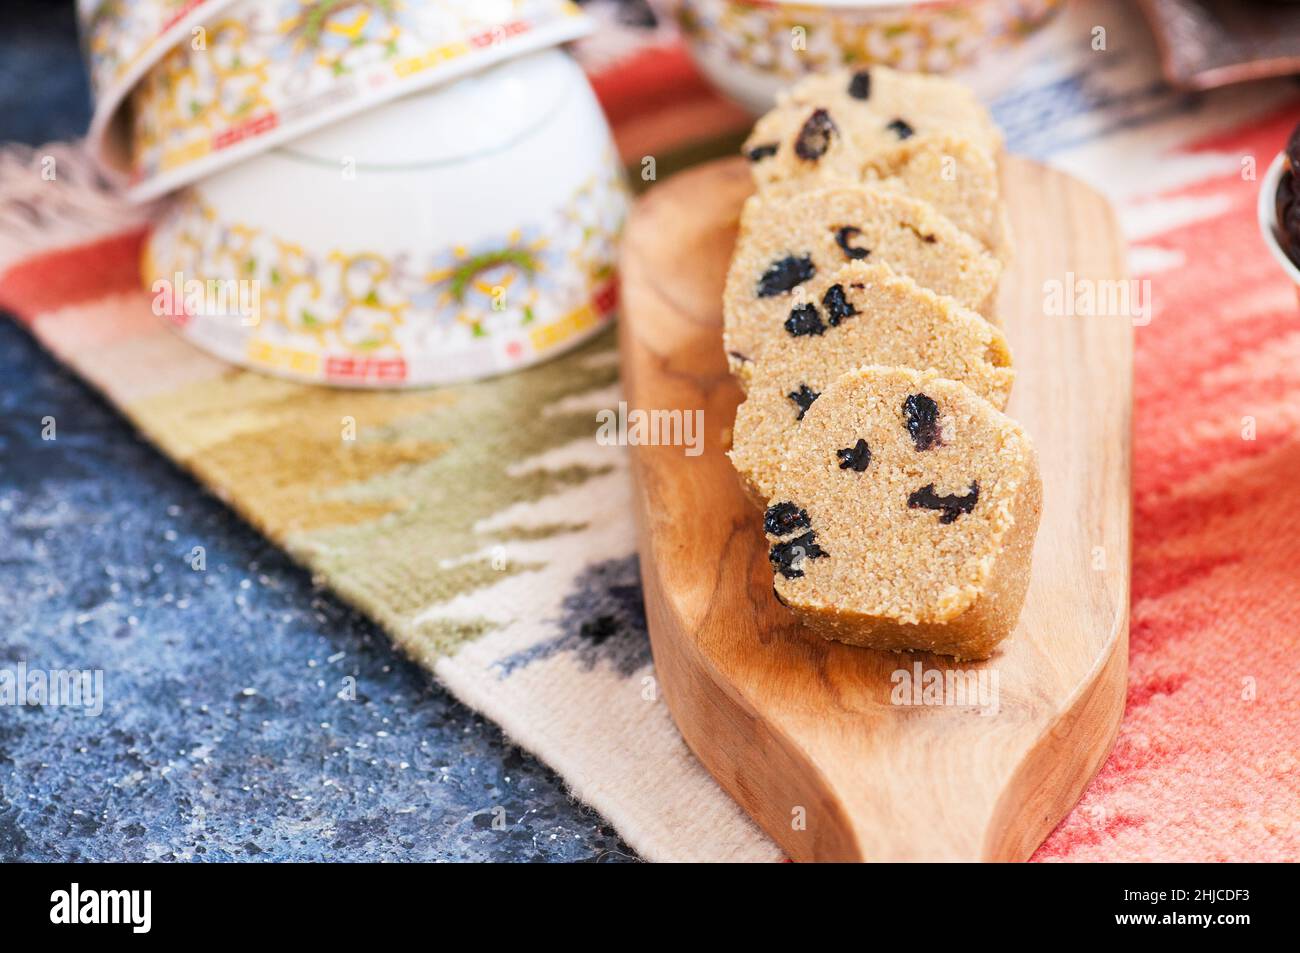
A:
[(118, 34), (269, 71), (421, 317)]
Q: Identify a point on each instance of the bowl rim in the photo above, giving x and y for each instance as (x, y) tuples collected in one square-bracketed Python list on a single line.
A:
[(1266, 210)]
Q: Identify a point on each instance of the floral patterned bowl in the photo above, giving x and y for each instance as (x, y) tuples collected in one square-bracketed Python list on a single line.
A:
[(267, 71), (122, 40), (750, 49), (449, 235)]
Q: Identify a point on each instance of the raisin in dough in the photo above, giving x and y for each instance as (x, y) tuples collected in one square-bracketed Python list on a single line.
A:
[(862, 314), (951, 173), (880, 106), (904, 516), (785, 241)]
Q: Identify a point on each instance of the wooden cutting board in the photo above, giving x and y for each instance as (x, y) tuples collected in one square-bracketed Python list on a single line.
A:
[(806, 734)]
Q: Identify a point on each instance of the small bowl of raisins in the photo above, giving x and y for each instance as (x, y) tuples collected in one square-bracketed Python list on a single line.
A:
[(1279, 208)]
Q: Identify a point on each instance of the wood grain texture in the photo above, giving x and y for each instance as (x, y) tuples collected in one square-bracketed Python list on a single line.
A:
[(792, 725)]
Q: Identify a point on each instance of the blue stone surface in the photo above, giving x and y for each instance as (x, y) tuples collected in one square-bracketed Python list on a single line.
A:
[(223, 735)]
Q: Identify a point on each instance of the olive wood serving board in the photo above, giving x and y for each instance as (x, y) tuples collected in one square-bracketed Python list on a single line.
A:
[(803, 732)]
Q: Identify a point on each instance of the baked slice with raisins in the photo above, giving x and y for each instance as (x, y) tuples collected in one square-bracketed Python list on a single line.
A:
[(880, 106), (786, 241), (904, 515), (860, 314), (957, 177)]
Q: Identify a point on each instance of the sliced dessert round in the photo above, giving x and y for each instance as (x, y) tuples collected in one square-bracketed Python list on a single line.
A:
[(885, 104), (904, 515), (860, 314), (786, 241), (953, 174)]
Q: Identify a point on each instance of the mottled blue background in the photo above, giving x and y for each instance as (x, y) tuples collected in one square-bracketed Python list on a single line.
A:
[(222, 736)]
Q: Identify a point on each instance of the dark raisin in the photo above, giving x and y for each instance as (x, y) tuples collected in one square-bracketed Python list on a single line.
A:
[(1291, 221), (860, 85), (842, 238), (922, 416), (838, 306), (1287, 210), (765, 151), (803, 399), (804, 319), (737, 356), (1285, 196), (901, 129), (782, 519), (815, 136), (951, 506), (787, 557), (856, 458), (783, 274)]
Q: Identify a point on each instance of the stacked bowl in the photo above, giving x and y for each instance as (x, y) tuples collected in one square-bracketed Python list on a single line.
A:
[(751, 48), (371, 193)]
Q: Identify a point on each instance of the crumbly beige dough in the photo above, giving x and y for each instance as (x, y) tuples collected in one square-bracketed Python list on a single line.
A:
[(860, 314), (957, 177), (786, 240), (878, 542)]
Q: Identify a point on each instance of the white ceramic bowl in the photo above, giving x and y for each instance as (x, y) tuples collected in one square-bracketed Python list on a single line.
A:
[(449, 235), (1266, 209), (271, 71), (748, 49)]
